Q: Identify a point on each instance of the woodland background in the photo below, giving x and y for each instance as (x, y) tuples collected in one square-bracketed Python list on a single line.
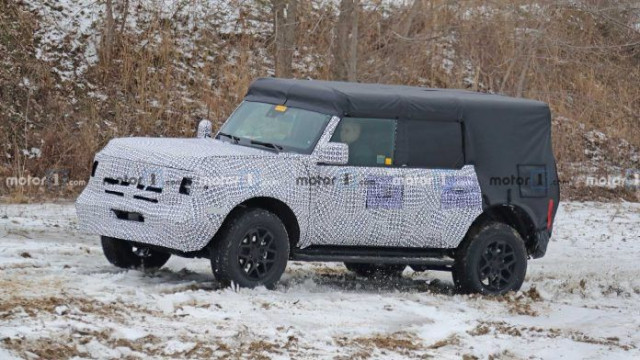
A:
[(76, 73)]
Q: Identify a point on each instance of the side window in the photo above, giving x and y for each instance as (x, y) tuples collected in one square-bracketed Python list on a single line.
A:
[(371, 141), (430, 144)]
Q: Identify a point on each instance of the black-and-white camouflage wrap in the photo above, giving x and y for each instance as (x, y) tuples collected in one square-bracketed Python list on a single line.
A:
[(333, 204)]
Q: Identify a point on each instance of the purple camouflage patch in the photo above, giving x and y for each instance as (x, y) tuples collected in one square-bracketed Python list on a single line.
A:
[(460, 192), (382, 193)]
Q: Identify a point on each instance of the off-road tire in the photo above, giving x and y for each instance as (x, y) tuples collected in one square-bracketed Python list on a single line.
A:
[(121, 254), (238, 257), (491, 261), (375, 270)]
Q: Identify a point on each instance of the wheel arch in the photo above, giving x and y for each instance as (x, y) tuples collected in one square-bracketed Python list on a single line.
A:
[(509, 214), (278, 207)]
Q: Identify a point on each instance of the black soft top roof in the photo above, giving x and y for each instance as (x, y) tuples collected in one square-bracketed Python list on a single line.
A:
[(503, 137), (383, 101)]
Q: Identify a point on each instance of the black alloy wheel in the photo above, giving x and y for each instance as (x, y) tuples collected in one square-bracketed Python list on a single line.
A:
[(257, 253), (491, 260), (251, 249), (497, 266)]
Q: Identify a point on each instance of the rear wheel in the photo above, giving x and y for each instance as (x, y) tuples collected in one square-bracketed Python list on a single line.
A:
[(375, 270), (493, 261), (252, 250), (125, 254)]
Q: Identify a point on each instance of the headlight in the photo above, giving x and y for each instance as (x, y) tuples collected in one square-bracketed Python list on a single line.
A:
[(94, 168), (185, 186)]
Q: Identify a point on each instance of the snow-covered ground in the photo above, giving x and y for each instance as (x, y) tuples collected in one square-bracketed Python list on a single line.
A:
[(59, 298)]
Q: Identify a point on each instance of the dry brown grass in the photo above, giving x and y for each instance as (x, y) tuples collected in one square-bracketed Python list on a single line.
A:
[(576, 58), (501, 328), (403, 343)]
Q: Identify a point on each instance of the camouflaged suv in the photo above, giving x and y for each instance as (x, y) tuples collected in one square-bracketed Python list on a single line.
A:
[(378, 177)]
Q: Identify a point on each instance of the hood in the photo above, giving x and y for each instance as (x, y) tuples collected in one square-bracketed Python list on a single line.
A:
[(178, 153)]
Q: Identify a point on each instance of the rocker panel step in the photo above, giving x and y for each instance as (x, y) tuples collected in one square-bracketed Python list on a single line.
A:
[(434, 259)]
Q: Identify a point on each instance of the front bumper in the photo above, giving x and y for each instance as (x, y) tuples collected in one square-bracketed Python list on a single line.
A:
[(162, 217)]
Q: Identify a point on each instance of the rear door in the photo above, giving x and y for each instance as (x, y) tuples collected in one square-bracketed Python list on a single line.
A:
[(442, 194)]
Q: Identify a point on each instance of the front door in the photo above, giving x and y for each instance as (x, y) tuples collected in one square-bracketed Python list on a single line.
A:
[(361, 203)]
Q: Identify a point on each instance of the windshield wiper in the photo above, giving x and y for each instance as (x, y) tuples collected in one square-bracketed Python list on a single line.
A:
[(236, 140), (275, 147), (232, 137)]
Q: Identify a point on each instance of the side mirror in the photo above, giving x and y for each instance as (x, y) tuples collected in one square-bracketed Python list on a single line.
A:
[(204, 129), (333, 153)]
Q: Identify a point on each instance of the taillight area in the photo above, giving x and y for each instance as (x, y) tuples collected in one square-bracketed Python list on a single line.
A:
[(549, 214), (185, 186)]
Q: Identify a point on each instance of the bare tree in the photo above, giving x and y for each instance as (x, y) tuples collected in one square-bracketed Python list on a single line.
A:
[(108, 37), (284, 24), (345, 51), (411, 18), (125, 14)]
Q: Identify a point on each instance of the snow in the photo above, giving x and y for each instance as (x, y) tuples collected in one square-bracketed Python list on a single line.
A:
[(58, 295), (69, 31), (67, 27), (32, 153)]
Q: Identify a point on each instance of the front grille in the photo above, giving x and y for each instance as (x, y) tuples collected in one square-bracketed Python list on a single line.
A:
[(141, 182), (123, 182), (111, 181), (154, 189), (144, 198)]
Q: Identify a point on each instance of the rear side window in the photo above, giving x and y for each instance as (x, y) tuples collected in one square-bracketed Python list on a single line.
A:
[(430, 144), (371, 141)]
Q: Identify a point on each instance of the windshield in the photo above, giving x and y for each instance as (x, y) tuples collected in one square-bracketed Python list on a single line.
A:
[(274, 126)]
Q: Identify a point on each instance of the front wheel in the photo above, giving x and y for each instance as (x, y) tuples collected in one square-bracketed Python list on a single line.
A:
[(252, 250), (127, 255), (492, 262)]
